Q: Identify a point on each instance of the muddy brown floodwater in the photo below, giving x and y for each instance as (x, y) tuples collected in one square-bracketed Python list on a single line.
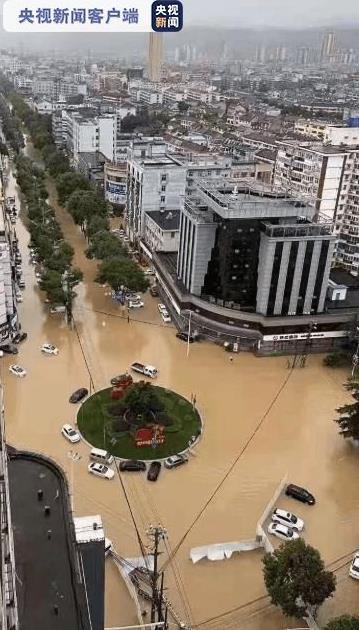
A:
[(297, 437)]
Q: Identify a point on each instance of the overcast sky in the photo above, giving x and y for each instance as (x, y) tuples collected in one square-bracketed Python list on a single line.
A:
[(257, 13)]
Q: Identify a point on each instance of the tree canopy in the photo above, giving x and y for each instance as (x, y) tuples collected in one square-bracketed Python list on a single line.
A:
[(346, 622), (348, 420), (296, 578), (120, 271), (83, 205), (69, 182)]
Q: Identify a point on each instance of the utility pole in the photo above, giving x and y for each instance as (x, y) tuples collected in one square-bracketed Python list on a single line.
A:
[(311, 328), (157, 534)]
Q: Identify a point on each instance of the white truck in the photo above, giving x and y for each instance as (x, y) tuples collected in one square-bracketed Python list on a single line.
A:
[(146, 370)]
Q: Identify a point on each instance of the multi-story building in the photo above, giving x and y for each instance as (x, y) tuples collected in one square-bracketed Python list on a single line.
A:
[(162, 230), (204, 167), (248, 248), (314, 173), (155, 181), (95, 134), (115, 185)]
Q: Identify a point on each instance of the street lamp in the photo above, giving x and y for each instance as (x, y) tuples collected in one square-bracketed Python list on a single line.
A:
[(311, 328), (74, 457)]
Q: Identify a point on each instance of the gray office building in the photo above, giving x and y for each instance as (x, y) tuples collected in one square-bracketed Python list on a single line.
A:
[(248, 247)]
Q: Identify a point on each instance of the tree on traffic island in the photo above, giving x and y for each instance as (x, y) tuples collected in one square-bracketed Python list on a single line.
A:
[(67, 183), (296, 578), (348, 420)]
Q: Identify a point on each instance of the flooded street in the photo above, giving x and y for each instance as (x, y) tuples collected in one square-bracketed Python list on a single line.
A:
[(269, 421)]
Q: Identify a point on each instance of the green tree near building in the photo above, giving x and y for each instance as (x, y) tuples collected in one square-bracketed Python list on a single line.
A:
[(83, 205), (67, 183), (120, 271), (296, 578), (346, 622), (348, 420)]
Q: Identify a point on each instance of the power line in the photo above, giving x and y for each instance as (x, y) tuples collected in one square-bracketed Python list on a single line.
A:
[(233, 465)]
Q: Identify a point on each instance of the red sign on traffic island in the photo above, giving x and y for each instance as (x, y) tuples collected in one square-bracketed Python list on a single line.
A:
[(150, 436)]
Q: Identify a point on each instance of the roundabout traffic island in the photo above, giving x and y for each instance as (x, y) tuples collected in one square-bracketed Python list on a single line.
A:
[(139, 421)]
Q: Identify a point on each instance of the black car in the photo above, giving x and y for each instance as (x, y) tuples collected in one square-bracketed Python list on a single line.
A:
[(10, 349), (20, 337), (185, 337), (301, 494), (153, 471), (132, 465), (78, 395)]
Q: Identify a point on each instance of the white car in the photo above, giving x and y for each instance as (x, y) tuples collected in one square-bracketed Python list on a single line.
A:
[(282, 532), (47, 348), (16, 370), (175, 461), (149, 272), (288, 519), (70, 434), (135, 304), (161, 308), (165, 316), (354, 567), (100, 470)]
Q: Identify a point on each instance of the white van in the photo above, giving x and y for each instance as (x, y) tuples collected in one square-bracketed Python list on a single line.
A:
[(103, 457)]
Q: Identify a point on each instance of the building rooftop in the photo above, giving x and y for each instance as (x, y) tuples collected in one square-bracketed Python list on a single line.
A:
[(168, 220), (235, 198), (49, 593)]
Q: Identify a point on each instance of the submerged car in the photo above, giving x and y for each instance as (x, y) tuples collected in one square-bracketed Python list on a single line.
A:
[(354, 567), (287, 518), (47, 348), (17, 370), (153, 471), (282, 532), (8, 348), (175, 461), (70, 434), (301, 494), (184, 336), (132, 465), (100, 470), (78, 395), (20, 337)]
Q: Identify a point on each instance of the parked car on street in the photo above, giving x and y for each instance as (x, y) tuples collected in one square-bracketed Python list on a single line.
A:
[(70, 434), (354, 567), (282, 532), (301, 494), (153, 471), (48, 348), (154, 290), (100, 470), (161, 308), (288, 519), (175, 461), (19, 337), (135, 304), (166, 318), (133, 465), (9, 348), (146, 370), (184, 336), (17, 370), (78, 395)]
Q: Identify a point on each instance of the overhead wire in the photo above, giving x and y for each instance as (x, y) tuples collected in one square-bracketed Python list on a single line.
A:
[(234, 463)]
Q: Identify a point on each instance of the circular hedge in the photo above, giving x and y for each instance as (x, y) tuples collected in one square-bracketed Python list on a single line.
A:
[(113, 424)]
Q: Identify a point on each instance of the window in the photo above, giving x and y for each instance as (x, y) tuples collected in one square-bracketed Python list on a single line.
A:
[(163, 188), (164, 178), (173, 234), (163, 199)]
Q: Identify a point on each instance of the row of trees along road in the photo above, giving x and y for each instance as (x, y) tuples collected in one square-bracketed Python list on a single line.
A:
[(88, 209)]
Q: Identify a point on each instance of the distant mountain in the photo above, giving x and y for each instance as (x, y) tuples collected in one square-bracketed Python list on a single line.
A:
[(204, 38)]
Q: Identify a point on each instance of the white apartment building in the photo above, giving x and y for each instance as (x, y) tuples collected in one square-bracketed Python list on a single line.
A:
[(115, 183), (327, 177), (149, 97), (313, 172), (94, 134), (204, 167), (162, 230), (155, 181)]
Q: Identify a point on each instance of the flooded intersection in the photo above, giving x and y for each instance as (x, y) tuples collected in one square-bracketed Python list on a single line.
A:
[(262, 422)]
